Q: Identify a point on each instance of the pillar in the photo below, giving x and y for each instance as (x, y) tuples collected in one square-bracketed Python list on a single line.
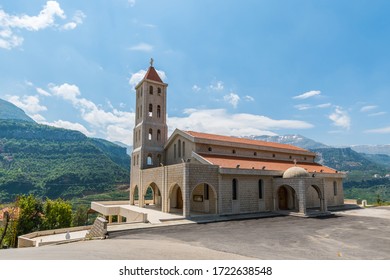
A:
[(302, 197)]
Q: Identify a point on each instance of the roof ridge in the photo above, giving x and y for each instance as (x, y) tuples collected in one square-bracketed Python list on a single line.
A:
[(225, 138)]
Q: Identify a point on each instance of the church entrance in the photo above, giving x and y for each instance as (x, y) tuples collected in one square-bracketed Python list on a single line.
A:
[(179, 197), (283, 198), (175, 202)]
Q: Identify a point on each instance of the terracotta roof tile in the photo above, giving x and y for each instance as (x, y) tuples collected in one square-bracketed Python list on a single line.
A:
[(252, 163), (237, 140), (152, 75)]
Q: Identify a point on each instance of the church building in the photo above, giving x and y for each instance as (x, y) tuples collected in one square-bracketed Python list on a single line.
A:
[(198, 173)]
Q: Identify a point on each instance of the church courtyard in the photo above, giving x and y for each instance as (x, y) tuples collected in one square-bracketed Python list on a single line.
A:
[(354, 234)]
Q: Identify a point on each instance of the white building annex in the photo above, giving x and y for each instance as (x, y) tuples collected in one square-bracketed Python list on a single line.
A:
[(197, 173)]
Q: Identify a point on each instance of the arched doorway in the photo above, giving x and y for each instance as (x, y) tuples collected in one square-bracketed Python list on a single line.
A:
[(315, 199), (152, 196), (179, 199), (283, 198), (286, 198), (175, 203), (203, 200)]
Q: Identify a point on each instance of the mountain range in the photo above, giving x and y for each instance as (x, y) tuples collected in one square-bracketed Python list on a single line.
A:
[(54, 162)]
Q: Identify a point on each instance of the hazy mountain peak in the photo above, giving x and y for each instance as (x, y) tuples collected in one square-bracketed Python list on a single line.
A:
[(9, 111)]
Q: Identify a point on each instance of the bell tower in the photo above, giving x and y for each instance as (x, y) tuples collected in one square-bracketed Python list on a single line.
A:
[(150, 131)]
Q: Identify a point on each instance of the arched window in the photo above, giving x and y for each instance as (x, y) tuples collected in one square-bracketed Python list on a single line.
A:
[(133, 160), (150, 134), (149, 160), (150, 110), (141, 91), (159, 91), (158, 135), (137, 159), (159, 159), (234, 189), (158, 111), (210, 149), (174, 151), (234, 151), (151, 89), (334, 188), (261, 189), (179, 148), (184, 149), (140, 111)]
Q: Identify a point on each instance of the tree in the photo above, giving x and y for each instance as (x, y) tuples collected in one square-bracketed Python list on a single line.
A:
[(30, 215), (80, 217), (57, 214), (6, 221)]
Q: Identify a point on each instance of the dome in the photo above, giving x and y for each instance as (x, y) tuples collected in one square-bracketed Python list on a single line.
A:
[(295, 172)]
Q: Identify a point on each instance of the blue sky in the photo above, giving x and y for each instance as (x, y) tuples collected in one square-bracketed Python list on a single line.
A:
[(316, 68)]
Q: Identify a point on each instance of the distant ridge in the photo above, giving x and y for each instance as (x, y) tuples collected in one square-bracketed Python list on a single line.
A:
[(9, 111), (292, 139), (372, 149)]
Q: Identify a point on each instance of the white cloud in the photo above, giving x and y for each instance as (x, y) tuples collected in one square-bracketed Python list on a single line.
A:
[(368, 108), (217, 86), (383, 130), (307, 94), (143, 47), (196, 88), (70, 125), (42, 92), (131, 3), (249, 98), (45, 19), (137, 77), (231, 124), (38, 118), (340, 118), (232, 98), (377, 114), (28, 103), (112, 124), (324, 105), (303, 107)]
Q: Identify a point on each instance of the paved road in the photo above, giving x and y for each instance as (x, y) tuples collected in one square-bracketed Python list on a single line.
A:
[(361, 234)]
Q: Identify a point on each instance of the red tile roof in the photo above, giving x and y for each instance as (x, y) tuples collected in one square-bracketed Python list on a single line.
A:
[(237, 140), (152, 75), (253, 163)]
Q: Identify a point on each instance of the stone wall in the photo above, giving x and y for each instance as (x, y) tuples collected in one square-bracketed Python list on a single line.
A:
[(99, 229)]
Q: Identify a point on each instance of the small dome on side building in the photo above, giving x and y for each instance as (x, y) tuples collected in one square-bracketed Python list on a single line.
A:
[(295, 172)]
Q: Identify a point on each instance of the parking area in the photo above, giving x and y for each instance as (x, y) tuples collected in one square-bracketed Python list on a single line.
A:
[(356, 234)]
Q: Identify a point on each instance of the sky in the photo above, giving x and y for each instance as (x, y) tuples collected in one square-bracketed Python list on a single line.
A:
[(240, 68)]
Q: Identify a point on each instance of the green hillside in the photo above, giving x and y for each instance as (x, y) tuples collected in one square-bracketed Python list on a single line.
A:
[(366, 174), (56, 162), (9, 111)]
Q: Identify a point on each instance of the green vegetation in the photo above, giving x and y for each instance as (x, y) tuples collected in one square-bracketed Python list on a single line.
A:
[(361, 169), (53, 162), (35, 214)]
